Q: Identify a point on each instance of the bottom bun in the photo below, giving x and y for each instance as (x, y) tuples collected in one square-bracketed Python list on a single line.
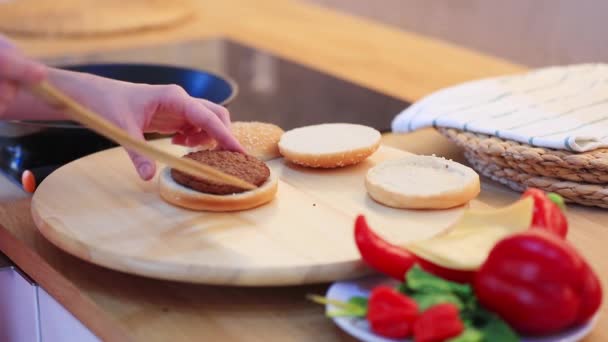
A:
[(182, 196), (422, 182)]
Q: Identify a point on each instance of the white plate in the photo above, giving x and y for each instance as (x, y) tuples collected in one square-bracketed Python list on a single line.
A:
[(359, 328)]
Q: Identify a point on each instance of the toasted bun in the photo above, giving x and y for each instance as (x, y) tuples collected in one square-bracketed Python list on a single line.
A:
[(259, 139), (182, 196), (329, 145), (422, 182)]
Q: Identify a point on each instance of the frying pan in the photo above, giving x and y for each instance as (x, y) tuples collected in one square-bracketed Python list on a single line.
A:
[(42, 146), (197, 83)]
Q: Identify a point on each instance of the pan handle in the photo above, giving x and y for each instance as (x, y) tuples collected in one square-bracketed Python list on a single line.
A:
[(32, 177)]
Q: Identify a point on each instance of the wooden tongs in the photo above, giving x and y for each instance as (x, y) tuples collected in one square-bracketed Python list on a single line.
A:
[(97, 123)]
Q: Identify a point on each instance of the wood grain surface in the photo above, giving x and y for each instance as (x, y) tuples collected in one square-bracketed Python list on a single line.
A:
[(121, 307), (97, 209), (399, 63), (534, 33), (77, 18)]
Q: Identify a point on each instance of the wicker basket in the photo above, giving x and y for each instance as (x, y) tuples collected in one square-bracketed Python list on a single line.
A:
[(587, 167), (574, 192), (579, 177)]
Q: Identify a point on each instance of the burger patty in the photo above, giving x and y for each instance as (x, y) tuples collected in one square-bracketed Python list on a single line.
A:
[(237, 164)]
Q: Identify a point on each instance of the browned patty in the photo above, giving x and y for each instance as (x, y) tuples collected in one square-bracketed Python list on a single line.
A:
[(237, 164)]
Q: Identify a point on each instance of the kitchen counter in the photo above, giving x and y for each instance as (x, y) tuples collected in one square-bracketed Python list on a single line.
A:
[(116, 306)]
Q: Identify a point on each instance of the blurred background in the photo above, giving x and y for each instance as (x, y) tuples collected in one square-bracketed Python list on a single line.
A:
[(533, 33), (184, 33)]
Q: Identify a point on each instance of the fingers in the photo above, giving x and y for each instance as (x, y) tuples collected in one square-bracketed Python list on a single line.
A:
[(193, 140), (15, 67), (199, 115), (8, 91), (6, 44), (192, 137), (179, 139), (213, 119), (199, 139), (220, 111), (145, 167)]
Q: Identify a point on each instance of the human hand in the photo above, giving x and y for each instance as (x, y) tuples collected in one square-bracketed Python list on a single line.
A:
[(142, 108), (136, 108), (15, 71)]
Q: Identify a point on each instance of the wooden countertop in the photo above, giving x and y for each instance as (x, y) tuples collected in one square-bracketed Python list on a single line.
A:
[(121, 307)]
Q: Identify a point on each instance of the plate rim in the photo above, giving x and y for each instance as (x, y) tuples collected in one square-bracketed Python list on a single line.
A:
[(576, 333)]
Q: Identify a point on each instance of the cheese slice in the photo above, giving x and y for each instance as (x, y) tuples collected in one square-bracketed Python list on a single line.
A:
[(467, 244)]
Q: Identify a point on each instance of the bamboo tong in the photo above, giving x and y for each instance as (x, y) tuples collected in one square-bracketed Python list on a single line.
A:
[(86, 117)]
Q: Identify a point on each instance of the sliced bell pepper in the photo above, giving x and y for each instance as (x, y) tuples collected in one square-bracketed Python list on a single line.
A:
[(382, 256), (538, 283), (459, 276), (396, 261), (458, 253), (547, 214)]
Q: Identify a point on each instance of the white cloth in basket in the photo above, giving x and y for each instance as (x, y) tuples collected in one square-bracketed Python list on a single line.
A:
[(557, 107)]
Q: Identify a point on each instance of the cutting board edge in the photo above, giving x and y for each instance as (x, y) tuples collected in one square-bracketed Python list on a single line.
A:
[(202, 274), (266, 275)]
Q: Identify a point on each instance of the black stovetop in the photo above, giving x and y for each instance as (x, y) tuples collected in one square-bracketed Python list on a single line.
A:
[(271, 89)]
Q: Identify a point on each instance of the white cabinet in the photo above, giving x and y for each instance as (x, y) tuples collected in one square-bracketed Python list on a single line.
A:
[(59, 325), (18, 307), (29, 314)]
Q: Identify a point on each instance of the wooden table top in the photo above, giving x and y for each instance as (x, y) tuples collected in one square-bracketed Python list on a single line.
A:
[(117, 306)]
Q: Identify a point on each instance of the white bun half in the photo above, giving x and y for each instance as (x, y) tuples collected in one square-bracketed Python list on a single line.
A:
[(259, 139), (422, 182), (182, 196), (329, 145)]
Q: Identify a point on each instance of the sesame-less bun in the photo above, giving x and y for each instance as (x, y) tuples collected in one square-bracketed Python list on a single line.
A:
[(329, 145), (422, 182), (182, 196), (259, 139)]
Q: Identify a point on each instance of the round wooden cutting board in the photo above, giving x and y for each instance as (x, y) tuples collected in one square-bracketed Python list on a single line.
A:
[(97, 209)]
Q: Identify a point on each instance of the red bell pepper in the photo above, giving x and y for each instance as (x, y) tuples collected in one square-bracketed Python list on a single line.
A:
[(547, 214), (382, 256), (438, 323), (391, 313), (395, 261), (538, 283), (459, 276)]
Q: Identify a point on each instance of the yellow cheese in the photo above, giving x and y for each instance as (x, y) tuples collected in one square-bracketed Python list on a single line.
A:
[(466, 245)]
